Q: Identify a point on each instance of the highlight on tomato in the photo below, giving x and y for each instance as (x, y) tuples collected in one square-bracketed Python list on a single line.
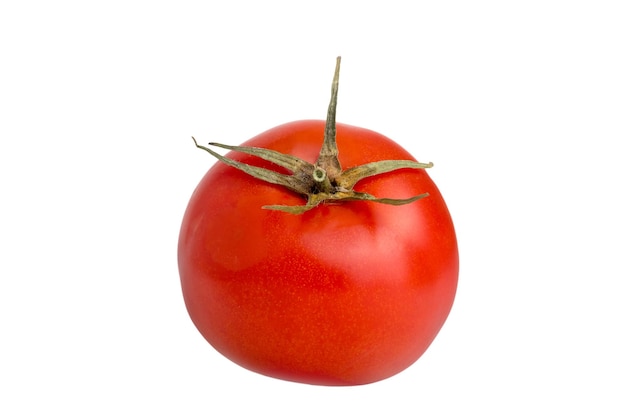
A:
[(318, 252)]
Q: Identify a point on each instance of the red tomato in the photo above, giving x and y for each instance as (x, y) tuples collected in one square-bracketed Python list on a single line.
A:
[(346, 293)]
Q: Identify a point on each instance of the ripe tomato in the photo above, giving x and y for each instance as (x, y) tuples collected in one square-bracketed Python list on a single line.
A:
[(346, 293)]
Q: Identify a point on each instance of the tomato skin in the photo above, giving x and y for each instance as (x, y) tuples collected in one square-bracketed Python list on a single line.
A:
[(344, 294)]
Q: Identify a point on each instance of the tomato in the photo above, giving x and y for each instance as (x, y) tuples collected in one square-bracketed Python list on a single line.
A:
[(345, 293)]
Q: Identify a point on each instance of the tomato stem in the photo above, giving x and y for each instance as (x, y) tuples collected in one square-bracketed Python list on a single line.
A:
[(321, 178), (324, 180)]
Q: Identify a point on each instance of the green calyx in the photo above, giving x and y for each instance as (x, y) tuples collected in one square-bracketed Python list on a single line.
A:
[(324, 181)]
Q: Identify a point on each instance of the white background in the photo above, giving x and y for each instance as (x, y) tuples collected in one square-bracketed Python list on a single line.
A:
[(520, 105)]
